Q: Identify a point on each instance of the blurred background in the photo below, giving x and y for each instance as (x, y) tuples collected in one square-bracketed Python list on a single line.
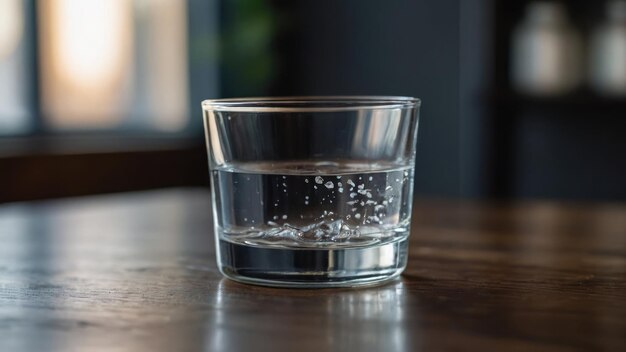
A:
[(521, 99)]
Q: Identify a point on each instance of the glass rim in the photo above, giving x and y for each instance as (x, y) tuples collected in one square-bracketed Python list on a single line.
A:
[(311, 103)]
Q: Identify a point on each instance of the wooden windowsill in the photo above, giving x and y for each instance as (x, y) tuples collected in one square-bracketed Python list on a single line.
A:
[(51, 167), (91, 144)]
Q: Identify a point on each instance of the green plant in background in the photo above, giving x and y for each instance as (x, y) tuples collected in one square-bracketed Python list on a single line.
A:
[(246, 55)]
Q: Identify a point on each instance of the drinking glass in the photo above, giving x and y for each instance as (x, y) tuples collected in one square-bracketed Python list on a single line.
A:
[(312, 191)]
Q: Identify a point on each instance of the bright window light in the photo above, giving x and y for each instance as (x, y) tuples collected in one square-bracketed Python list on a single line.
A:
[(114, 64)]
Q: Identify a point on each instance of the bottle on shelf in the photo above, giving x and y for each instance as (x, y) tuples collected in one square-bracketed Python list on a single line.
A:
[(546, 51), (608, 52)]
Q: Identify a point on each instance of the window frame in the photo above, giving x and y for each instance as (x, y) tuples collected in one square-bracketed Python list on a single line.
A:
[(40, 162)]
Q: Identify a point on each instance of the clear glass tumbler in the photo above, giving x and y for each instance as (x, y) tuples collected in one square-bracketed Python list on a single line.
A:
[(312, 191)]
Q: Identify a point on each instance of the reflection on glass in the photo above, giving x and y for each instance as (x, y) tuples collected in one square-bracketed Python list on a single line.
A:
[(13, 79), (114, 63)]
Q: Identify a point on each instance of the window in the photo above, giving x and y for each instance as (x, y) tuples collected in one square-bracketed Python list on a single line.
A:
[(100, 65), (14, 80), (103, 95)]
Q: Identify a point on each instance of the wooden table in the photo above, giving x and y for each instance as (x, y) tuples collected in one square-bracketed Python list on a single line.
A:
[(136, 272)]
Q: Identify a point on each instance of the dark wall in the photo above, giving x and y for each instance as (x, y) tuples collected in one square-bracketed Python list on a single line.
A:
[(475, 76), (478, 138), (578, 152), (383, 48)]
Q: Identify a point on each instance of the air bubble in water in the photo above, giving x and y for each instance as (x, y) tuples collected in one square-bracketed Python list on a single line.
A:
[(319, 180), (370, 178), (338, 177), (357, 216), (306, 197), (351, 183), (352, 202), (340, 190), (245, 219), (352, 195), (284, 217), (329, 185), (306, 180), (388, 188), (284, 184)]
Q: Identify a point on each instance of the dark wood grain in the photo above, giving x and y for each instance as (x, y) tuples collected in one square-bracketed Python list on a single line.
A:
[(136, 272)]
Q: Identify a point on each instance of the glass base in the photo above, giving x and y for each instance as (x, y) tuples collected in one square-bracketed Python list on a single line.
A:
[(313, 268)]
